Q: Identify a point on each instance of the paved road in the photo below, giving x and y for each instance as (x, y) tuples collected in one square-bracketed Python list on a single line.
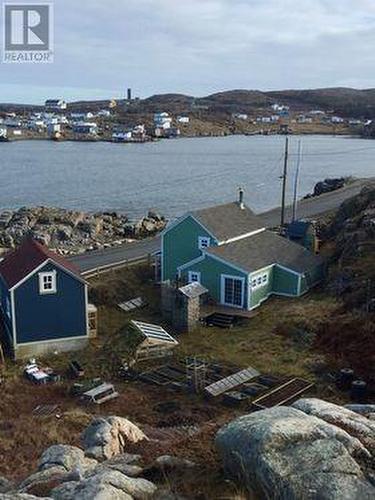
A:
[(312, 207), (133, 252)]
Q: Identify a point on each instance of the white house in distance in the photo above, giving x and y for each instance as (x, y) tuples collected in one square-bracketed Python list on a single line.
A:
[(81, 116), (162, 120), (240, 116), (183, 119), (85, 128), (55, 105)]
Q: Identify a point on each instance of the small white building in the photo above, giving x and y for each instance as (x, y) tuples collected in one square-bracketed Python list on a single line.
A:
[(122, 136), (85, 128), (53, 128), (81, 116), (183, 119), (55, 105), (139, 129), (36, 125), (162, 120), (104, 113), (12, 122), (304, 119), (279, 107), (337, 119), (264, 119), (240, 116)]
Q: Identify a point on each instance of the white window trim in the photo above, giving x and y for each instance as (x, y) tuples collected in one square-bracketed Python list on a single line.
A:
[(53, 290), (8, 307), (190, 276), (204, 239), (222, 290), (256, 278)]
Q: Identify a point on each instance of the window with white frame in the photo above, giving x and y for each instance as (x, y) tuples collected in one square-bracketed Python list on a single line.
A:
[(47, 282), (203, 242), (259, 280), (194, 277)]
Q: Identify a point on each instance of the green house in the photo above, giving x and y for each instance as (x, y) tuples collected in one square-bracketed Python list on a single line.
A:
[(229, 251)]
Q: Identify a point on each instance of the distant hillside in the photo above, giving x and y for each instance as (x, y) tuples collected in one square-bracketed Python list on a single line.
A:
[(346, 102), (343, 101)]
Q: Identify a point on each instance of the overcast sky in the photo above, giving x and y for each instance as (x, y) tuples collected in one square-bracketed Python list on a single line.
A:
[(198, 47)]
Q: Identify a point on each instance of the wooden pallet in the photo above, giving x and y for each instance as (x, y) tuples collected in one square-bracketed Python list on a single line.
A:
[(282, 394), (45, 410)]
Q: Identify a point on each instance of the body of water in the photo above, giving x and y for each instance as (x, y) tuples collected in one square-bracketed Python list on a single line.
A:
[(172, 176)]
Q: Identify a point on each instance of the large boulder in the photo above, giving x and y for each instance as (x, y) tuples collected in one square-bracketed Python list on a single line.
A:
[(107, 484), (5, 485), (356, 425), (363, 409), (21, 496), (44, 479), (286, 454), (126, 463), (107, 437), (68, 457)]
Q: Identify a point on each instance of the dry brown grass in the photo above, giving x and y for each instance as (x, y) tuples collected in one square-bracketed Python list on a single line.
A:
[(259, 342)]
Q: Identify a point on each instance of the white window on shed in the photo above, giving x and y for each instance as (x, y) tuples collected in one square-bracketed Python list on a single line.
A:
[(47, 282), (203, 242), (194, 277)]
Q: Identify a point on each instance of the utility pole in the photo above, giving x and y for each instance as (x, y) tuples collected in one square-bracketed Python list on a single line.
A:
[(284, 176), (296, 181)]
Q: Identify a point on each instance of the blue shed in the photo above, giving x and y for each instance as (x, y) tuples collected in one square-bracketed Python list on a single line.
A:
[(43, 301)]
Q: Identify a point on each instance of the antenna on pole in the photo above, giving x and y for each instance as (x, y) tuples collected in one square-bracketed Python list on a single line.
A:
[(284, 176), (296, 180)]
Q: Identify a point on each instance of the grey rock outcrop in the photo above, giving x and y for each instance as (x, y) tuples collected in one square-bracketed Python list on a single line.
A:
[(111, 485), (285, 453), (126, 463), (41, 479), (107, 437), (356, 425), (21, 496), (72, 231), (69, 458), (5, 485), (361, 409)]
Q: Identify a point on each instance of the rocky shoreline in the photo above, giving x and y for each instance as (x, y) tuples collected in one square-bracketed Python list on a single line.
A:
[(73, 232)]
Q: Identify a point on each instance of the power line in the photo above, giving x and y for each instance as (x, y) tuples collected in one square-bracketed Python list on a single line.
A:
[(341, 152)]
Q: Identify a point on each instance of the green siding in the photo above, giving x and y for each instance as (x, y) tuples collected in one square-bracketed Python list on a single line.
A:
[(259, 294), (285, 282), (211, 271), (312, 277), (180, 245)]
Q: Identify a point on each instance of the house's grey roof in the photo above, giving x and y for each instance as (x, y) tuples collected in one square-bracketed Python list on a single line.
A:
[(228, 221), (264, 249)]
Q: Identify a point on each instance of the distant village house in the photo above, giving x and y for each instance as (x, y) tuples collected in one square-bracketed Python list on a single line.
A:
[(55, 105)]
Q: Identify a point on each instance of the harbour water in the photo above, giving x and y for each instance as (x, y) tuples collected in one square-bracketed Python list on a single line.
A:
[(172, 176)]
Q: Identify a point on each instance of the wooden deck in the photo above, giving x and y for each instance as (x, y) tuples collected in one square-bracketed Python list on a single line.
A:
[(208, 309)]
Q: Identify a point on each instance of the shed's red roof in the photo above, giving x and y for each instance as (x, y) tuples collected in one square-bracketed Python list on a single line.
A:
[(27, 257)]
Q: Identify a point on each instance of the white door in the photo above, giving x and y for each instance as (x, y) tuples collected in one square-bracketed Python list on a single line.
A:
[(232, 291)]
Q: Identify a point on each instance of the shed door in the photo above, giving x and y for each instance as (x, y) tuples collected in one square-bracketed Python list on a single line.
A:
[(232, 291)]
